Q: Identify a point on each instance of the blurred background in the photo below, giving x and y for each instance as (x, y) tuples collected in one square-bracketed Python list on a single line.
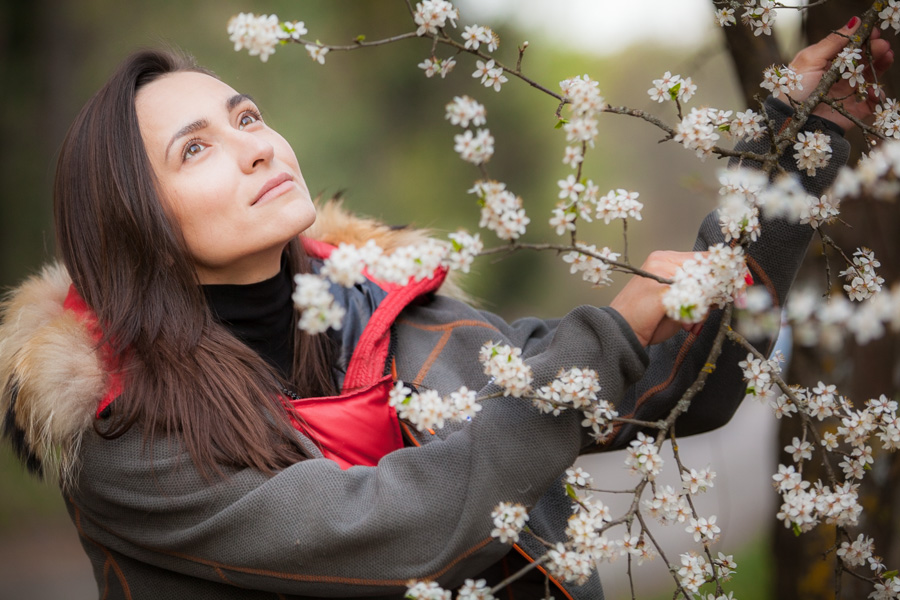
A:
[(368, 125)]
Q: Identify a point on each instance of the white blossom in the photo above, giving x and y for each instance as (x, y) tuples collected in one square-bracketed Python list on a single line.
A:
[(317, 52), (464, 110), (781, 80), (319, 311), (509, 519), (431, 15)]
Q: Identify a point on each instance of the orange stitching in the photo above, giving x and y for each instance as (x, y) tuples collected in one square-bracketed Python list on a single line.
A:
[(106, 578), (682, 353), (544, 571), (433, 356), (222, 575), (109, 558), (446, 326)]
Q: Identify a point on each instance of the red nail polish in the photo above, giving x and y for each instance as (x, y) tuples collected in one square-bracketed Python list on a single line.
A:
[(852, 22), (748, 279)]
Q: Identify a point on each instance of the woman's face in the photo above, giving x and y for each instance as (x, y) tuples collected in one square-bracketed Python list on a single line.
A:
[(231, 182)]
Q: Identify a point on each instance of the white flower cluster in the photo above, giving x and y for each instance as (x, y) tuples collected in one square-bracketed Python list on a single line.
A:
[(576, 199), (475, 590), (490, 74), (464, 249), (803, 507), (319, 311), (786, 198), (694, 572), (619, 204), (863, 282), (509, 520), (813, 151), (464, 110), (570, 565), (505, 365), (429, 590), (572, 387), (416, 262), (440, 66), (259, 34), (849, 61), (593, 270), (667, 506), (475, 35), (856, 554), (759, 15), (824, 323), (672, 87), (474, 148), (704, 529), (699, 131), (643, 457), (578, 388), (725, 17), (501, 210), (876, 174), (758, 375), (697, 482), (747, 125), (887, 119), (781, 80), (583, 97), (706, 281), (738, 211), (431, 15), (890, 15), (428, 410)]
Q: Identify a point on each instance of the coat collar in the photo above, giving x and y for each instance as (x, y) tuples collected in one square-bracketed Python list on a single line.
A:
[(52, 376)]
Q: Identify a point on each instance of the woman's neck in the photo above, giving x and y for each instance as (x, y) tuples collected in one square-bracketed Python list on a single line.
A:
[(260, 315)]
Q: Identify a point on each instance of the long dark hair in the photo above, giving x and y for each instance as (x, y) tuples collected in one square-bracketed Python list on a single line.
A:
[(185, 375)]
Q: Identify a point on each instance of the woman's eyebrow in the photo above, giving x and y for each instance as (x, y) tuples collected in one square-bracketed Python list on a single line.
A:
[(186, 130), (199, 124), (232, 102)]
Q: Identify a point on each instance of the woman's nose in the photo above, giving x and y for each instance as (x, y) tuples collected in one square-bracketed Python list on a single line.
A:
[(253, 150)]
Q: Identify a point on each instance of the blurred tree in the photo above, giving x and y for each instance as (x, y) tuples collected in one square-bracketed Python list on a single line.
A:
[(802, 570)]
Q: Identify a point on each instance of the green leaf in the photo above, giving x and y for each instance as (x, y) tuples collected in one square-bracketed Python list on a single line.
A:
[(796, 529), (889, 574), (570, 492), (360, 38), (673, 91), (560, 123)]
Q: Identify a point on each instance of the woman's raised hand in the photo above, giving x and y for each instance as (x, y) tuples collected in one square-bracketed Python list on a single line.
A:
[(640, 301), (814, 60)]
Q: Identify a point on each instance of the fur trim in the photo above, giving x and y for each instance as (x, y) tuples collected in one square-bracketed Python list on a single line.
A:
[(51, 377), (334, 225)]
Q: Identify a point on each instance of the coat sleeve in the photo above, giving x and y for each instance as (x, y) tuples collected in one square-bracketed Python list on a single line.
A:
[(316, 530), (774, 260)]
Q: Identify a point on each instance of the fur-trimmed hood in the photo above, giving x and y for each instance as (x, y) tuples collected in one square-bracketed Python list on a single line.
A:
[(51, 375)]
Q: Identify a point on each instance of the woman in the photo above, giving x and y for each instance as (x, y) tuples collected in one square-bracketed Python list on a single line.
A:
[(164, 387)]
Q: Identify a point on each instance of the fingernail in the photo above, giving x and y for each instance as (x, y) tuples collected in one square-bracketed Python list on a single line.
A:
[(853, 22), (748, 278)]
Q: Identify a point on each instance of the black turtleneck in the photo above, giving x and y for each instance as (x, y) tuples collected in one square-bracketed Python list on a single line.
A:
[(260, 315)]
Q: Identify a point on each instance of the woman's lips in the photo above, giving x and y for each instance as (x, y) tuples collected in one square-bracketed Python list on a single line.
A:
[(274, 188)]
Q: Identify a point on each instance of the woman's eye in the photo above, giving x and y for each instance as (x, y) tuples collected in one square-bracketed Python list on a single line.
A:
[(192, 149), (248, 118)]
